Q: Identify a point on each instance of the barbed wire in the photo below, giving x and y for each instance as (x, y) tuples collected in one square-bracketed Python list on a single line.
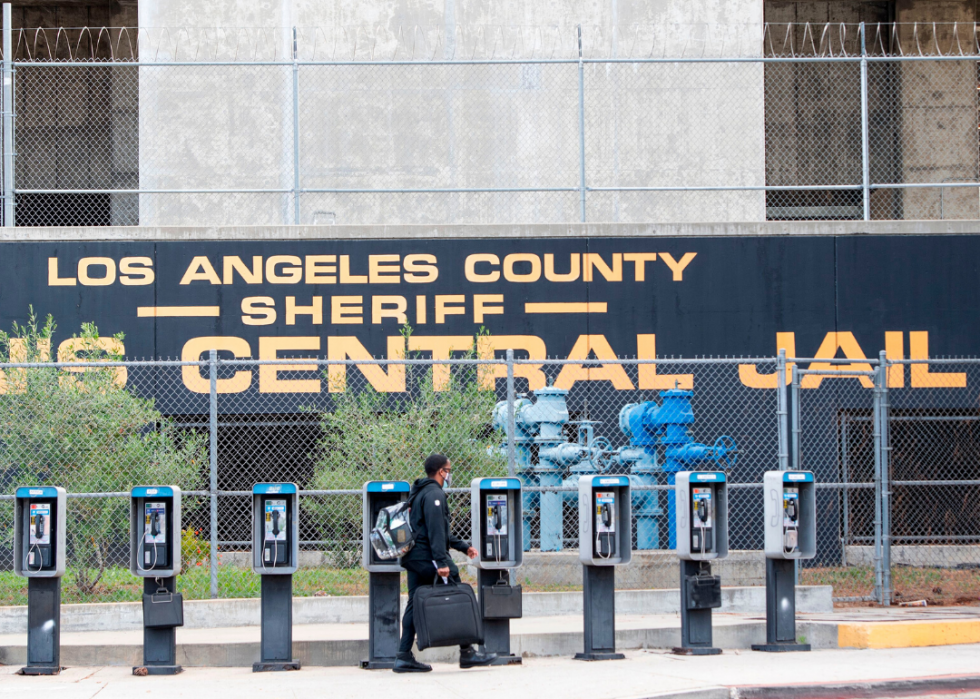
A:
[(490, 42)]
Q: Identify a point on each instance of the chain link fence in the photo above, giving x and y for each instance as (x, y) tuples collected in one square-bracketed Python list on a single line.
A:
[(898, 518), (777, 122)]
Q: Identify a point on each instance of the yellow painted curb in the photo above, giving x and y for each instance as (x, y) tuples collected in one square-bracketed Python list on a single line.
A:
[(908, 634)]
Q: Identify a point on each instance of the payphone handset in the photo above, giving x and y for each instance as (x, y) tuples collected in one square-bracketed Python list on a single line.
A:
[(497, 512), (274, 549), (496, 547), (605, 524), (39, 537), (702, 518), (791, 520), (153, 554), (275, 528)]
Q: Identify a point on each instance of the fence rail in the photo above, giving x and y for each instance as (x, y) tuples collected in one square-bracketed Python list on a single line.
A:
[(895, 451), (814, 123)]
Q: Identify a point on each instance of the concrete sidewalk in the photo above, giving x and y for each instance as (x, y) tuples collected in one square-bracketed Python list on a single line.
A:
[(743, 674)]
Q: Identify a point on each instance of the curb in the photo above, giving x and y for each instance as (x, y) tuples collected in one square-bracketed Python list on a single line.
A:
[(908, 634), (912, 687)]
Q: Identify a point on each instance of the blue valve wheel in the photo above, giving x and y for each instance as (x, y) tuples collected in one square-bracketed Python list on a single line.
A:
[(726, 451)]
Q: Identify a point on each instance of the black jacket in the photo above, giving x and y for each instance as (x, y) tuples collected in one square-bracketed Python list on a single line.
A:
[(430, 522)]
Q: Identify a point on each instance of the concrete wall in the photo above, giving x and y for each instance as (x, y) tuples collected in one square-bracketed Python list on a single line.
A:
[(938, 110), (456, 126)]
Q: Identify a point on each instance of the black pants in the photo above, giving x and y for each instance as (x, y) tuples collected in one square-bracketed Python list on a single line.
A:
[(415, 581)]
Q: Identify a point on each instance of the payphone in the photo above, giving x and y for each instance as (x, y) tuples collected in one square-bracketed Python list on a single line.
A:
[(497, 526), (702, 536), (384, 574), (605, 541), (40, 515), (154, 555), (790, 535), (275, 556)]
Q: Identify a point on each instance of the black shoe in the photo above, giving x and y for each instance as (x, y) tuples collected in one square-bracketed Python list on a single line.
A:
[(410, 664), (473, 658)]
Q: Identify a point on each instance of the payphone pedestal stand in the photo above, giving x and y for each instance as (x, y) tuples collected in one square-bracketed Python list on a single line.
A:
[(496, 632), (599, 605), (159, 645), (780, 608), (695, 623), (277, 625), (43, 627), (384, 607)]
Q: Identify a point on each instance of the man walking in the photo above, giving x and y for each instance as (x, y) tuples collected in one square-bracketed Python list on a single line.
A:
[(430, 557)]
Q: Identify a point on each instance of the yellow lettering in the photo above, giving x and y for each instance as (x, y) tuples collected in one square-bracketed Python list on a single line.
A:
[(420, 315), (592, 259), (488, 345), (258, 310), (110, 271), (341, 348), (420, 269), (845, 342), (292, 271), (921, 376), (646, 348), (346, 310), (678, 267), (895, 350), (315, 310), (482, 308), (585, 345), (389, 307), (441, 348), (197, 346), (233, 263), (321, 269), (136, 271), (443, 308), (53, 278), (18, 353), (200, 270), (381, 271), (69, 349), (528, 277), (749, 374), (346, 277), (639, 260), (269, 381), (470, 268), (573, 269)]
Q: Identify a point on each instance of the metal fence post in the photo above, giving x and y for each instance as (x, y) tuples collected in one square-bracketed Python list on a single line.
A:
[(782, 411), (796, 452), (295, 132), (213, 486), (511, 425), (8, 117), (879, 377), (581, 123), (865, 148), (886, 486)]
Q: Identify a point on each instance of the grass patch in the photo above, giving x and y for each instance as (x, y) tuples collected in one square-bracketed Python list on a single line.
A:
[(938, 586)]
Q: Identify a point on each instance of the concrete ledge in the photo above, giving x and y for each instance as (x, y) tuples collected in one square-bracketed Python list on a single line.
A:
[(543, 230), (908, 634), (919, 556), (222, 613), (349, 652)]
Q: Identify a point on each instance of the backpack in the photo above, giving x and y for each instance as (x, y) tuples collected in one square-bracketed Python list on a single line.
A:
[(392, 536)]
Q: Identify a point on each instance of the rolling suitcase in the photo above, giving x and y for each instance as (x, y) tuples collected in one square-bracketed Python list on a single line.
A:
[(447, 615)]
